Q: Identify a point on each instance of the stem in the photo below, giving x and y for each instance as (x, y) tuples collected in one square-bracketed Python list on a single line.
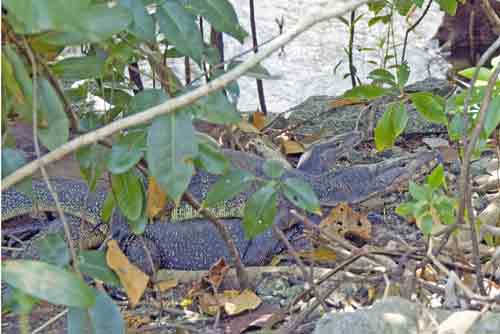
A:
[(352, 69), (260, 86), (410, 29)]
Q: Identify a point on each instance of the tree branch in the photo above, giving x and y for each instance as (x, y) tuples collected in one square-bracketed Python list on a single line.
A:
[(319, 15)]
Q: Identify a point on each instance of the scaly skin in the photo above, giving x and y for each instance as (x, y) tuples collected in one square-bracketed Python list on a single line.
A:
[(195, 244)]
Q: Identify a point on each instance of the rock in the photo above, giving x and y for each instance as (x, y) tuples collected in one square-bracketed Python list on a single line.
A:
[(396, 316)]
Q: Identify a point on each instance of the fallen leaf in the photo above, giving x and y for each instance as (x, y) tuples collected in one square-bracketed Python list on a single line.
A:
[(435, 142), (459, 322), (166, 285), (209, 304), (134, 281), (258, 119), (428, 274), (289, 146), (343, 220), (157, 198), (216, 273), (247, 127), (265, 317), (240, 302), (320, 254), (342, 102)]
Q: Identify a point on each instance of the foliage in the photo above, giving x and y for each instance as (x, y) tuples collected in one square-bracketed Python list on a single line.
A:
[(38, 77)]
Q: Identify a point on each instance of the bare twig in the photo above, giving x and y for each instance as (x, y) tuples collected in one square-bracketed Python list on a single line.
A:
[(183, 100), (45, 176), (260, 85), (410, 29)]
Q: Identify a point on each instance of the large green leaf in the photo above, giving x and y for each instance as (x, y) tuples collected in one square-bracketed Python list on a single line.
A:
[(48, 282), (273, 168), (35, 16), (260, 211), (127, 151), (403, 6), (142, 25), (56, 130), (92, 160), (228, 186), (216, 108), (302, 195), (382, 75), (93, 263), (430, 106), (180, 29), (436, 178), (103, 317), (368, 92), (172, 146), (52, 249), (492, 116), (129, 194), (146, 99), (91, 25), (78, 68), (390, 126), (220, 14), (211, 159)]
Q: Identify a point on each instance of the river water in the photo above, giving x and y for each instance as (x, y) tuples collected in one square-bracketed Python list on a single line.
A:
[(307, 66)]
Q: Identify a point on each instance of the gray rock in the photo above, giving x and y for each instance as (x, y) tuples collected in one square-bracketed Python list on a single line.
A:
[(395, 315)]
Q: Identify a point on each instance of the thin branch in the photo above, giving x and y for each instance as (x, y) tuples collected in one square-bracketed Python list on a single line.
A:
[(260, 85), (463, 181), (410, 29), (45, 176), (183, 100)]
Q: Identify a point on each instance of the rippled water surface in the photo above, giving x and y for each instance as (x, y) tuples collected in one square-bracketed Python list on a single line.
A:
[(307, 66)]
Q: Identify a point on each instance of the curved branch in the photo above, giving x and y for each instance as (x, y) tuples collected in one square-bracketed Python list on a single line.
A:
[(321, 14)]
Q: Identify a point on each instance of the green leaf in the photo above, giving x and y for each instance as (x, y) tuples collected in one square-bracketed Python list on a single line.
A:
[(48, 282), (436, 178), (273, 168), (260, 211), (403, 73), (426, 223), (56, 130), (383, 19), (418, 3), (79, 68), (180, 28), (492, 116), (52, 249), (15, 300), (172, 146), (257, 72), (220, 14), (93, 263), (228, 186), (449, 6), (11, 161), (138, 226), (390, 126), (368, 92), (406, 209), (90, 25), (216, 108), (146, 99), (456, 127), (484, 73), (129, 195), (103, 317), (211, 159), (418, 192), (127, 151), (383, 76), (142, 26), (403, 6), (430, 106), (92, 160), (302, 195), (107, 207)]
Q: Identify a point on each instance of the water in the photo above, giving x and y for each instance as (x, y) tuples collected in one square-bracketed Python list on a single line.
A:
[(307, 66)]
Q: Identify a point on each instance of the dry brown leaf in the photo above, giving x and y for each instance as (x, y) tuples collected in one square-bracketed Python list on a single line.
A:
[(216, 273), (343, 220), (236, 303), (342, 102), (258, 119), (289, 146), (134, 281), (429, 274), (157, 198), (320, 254), (166, 285), (209, 304)]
